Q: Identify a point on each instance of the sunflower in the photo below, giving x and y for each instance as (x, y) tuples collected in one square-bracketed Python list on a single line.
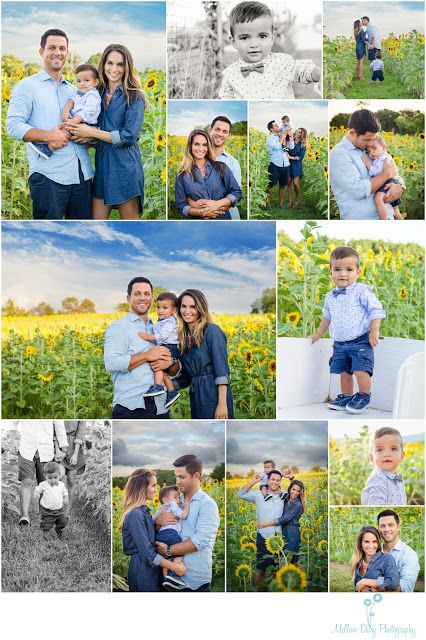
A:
[(322, 546), (275, 544), (291, 578), (249, 545), (244, 539), (308, 535), (249, 357), (30, 351), (403, 292), (160, 138), (421, 136), (164, 175), (272, 367), (151, 83), (258, 384), (243, 571), (293, 316), (48, 378)]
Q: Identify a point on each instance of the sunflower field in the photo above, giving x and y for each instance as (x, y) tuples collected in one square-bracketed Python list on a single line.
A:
[(16, 201), (403, 57), (345, 522), (408, 152), (53, 366), (313, 184), (236, 146), (394, 271), (241, 527), (214, 489), (350, 467)]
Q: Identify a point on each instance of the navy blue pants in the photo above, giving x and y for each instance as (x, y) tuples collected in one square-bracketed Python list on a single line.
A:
[(54, 201), (377, 75), (149, 413)]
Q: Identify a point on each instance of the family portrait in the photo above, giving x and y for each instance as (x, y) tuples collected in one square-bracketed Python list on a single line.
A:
[(168, 506), (374, 50), (377, 160), (84, 133), (187, 333), (288, 149), (209, 182), (56, 516), (376, 550), (276, 507), (350, 312), (244, 50), (379, 464)]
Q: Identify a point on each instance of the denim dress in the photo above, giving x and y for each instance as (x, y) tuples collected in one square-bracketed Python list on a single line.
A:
[(296, 166), (361, 40), (289, 522), (212, 186), (139, 542), (203, 368), (382, 567), (118, 164)]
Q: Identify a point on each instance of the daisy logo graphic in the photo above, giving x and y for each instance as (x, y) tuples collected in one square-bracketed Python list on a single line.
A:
[(369, 605)]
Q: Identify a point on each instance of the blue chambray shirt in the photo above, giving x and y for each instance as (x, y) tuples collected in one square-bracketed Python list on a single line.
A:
[(277, 155), (234, 165), (407, 563), (384, 488), (351, 313), (37, 103), (351, 184), (121, 342), (200, 527), (265, 511), (382, 568)]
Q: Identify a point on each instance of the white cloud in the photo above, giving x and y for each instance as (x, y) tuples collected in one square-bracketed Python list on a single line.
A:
[(388, 17), (303, 113)]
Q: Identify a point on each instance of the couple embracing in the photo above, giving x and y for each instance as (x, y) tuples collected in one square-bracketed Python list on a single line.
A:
[(58, 120)]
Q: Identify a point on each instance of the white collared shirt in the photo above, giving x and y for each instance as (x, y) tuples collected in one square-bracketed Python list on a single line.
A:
[(52, 497), (37, 435)]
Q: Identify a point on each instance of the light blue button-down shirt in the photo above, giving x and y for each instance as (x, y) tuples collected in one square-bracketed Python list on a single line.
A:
[(121, 342), (351, 313), (234, 165), (37, 103), (351, 183), (373, 32), (166, 331), (384, 488), (200, 527), (407, 563), (270, 510), (277, 155)]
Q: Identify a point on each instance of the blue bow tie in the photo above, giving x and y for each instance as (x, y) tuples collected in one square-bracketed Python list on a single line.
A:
[(337, 292), (259, 68), (397, 478)]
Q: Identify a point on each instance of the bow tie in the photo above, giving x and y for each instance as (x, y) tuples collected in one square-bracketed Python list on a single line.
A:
[(259, 68), (397, 478), (337, 292)]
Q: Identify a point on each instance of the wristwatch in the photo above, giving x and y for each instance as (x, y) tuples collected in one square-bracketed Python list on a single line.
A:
[(169, 553)]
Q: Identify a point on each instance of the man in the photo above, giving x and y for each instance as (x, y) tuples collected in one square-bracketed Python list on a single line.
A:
[(265, 510), (279, 163), (352, 187), (374, 42), (199, 529), (128, 357), (406, 558), (36, 447), (60, 185)]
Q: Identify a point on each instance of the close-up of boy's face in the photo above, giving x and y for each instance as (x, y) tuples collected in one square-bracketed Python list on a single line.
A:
[(268, 467), (165, 309), (344, 271), (52, 477), (85, 81), (254, 40), (172, 496), (375, 149), (387, 453)]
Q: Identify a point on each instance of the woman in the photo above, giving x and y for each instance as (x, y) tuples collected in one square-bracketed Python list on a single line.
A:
[(294, 506), (74, 460), (139, 535), (296, 164), (204, 359), (119, 179), (371, 567), (361, 39), (205, 189)]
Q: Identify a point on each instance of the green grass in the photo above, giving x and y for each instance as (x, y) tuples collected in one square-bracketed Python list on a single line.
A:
[(79, 562), (301, 212), (341, 579), (390, 88)]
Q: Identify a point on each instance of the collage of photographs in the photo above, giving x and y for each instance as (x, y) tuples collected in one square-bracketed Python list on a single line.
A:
[(281, 348)]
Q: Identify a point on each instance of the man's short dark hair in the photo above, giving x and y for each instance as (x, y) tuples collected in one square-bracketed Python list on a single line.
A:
[(168, 295), (275, 471), (52, 32), (221, 119), (269, 125), (191, 463), (343, 252), (134, 281), (388, 512), (88, 67), (247, 12), (365, 18), (363, 121)]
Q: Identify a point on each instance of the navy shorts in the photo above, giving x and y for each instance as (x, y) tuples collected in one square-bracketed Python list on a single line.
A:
[(174, 350), (278, 175), (169, 537), (397, 202), (352, 355), (377, 75), (261, 562)]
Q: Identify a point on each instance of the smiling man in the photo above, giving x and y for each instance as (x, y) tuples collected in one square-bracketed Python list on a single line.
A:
[(128, 357), (407, 560), (60, 185)]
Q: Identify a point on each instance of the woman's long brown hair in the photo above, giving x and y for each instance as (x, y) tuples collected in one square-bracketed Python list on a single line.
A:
[(188, 162), (136, 490), (131, 85), (358, 554), (204, 318)]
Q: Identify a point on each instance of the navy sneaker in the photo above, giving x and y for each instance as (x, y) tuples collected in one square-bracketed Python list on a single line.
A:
[(155, 390), (172, 583), (340, 403), (172, 396), (267, 496), (359, 402)]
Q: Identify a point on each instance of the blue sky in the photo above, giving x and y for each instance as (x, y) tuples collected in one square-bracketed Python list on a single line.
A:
[(339, 428), (310, 114), (388, 17), (90, 27), (185, 115), (139, 444), (249, 443), (410, 231), (51, 260)]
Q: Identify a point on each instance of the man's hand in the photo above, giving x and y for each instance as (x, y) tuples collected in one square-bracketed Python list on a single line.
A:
[(393, 192), (165, 518), (261, 524), (179, 568), (256, 477), (58, 138), (161, 548), (158, 353), (288, 473)]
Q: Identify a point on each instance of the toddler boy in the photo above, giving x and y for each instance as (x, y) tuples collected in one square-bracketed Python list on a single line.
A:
[(374, 160), (268, 466), (53, 500), (385, 486)]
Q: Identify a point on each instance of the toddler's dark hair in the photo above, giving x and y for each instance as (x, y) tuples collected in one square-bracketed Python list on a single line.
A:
[(343, 252), (247, 12), (386, 431), (51, 467), (378, 54), (269, 462), (164, 492), (88, 67), (168, 295)]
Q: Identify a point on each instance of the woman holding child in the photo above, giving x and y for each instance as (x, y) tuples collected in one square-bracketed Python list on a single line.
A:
[(296, 164), (372, 569), (119, 178), (361, 39), (205, 189), (138, 533)]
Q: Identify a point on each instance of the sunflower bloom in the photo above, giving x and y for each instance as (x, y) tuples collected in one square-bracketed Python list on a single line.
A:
[(151, 83), (243, 571), (291, 578), (403, 292), (322, 546), (293, 317), (275, 544), (308, 535)]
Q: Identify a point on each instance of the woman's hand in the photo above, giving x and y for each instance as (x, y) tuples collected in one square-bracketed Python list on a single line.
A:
[(73, 459), (221, 412), (179, 568), (81, 130)]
